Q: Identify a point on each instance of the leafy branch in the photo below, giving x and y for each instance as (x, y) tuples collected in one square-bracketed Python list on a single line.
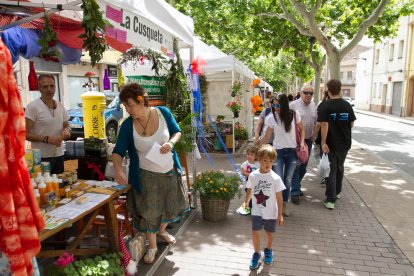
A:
[(47, 40), (137, 56), (94, 26)]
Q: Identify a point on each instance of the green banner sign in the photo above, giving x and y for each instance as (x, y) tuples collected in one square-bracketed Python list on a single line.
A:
[(155, 87)]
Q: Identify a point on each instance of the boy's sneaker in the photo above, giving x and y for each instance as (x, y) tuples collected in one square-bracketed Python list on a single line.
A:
[(268, 256), (329, 205), (254, 263), (338, 196)]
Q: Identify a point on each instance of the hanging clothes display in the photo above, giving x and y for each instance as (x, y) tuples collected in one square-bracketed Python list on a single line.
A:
[(20, 216)]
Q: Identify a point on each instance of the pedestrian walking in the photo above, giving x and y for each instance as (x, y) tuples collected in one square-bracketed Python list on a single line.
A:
[(260, 128), (266, 187), (248, 167), (307, 109), (337, 118), (281, 123)]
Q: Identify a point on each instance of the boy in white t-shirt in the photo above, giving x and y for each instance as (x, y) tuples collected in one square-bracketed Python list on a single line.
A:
[(267, 208)]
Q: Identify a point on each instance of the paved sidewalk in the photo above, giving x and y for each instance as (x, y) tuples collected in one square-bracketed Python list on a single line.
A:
[(350, 240)]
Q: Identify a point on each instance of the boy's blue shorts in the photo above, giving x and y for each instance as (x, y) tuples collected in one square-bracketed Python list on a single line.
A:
[(258, 223)]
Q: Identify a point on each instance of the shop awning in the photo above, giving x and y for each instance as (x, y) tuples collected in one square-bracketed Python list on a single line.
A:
[(142, 23)]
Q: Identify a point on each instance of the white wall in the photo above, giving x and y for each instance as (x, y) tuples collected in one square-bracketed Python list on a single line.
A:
[(388, 71), (363, 79)]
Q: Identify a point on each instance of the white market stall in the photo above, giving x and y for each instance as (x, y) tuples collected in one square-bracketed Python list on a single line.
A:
[(221, 71)]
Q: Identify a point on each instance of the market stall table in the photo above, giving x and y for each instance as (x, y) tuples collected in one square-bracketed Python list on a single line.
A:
[(105, 208)]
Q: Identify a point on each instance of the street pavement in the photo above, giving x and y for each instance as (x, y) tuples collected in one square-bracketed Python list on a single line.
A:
[(370, 232)]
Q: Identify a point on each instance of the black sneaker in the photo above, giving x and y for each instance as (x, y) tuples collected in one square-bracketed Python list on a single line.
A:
[(301, 193), (295, 200)]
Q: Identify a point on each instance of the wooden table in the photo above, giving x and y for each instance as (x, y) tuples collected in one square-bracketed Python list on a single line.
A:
[(105, 208)]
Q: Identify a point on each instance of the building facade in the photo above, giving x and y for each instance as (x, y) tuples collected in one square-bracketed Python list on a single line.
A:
[(390, 88)]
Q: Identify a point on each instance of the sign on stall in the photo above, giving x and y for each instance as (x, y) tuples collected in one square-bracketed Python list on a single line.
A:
[(128, 27), (154, 86)]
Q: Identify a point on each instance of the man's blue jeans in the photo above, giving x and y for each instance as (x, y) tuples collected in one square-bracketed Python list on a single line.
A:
[(300, 172), (284, 167)]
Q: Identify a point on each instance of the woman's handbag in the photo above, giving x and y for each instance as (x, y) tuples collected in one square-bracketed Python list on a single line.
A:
[(302, 154)]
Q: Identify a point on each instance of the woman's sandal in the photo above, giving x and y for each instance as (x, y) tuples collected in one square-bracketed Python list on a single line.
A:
[(167, 237), (150, 256)]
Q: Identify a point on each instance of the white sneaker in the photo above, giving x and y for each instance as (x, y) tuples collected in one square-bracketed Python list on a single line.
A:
[(285, 211), (338, 196)]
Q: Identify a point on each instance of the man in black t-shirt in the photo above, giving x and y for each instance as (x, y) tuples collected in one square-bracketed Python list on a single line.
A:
[(337, 118)]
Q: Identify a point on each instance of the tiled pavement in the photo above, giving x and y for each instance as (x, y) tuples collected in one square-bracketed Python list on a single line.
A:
[(349, 240)]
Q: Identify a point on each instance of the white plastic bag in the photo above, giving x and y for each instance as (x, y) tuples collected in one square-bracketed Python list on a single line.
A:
[(323, 167)]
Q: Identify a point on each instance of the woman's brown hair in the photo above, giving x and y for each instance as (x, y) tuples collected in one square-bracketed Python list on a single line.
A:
[(133, 91)]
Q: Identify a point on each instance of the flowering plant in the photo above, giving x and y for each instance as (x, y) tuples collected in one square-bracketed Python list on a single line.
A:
[(240, 132), (217, 185), (107, 264), (234, 106), (236, 89)]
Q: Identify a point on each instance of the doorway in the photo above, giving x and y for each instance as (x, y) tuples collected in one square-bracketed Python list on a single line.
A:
[(384, 97), (396, 98)]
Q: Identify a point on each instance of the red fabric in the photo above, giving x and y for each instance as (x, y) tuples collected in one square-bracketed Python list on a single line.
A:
[(20, 216), (126, 256), (67, 30)]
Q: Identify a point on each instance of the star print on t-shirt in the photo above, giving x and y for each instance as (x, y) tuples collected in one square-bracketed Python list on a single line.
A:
[(261, 198)]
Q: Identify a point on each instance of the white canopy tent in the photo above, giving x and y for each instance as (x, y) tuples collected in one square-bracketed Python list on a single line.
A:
[(221, 71)]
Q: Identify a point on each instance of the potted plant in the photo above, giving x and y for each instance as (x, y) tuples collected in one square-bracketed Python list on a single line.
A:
[(240, 132), (216, 190), (235, 106), (236, 89)]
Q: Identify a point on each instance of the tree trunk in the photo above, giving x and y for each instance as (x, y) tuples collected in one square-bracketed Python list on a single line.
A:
[(317, 86), (334, 61)]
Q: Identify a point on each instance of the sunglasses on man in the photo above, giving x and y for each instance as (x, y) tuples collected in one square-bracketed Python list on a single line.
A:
[(307, 93)]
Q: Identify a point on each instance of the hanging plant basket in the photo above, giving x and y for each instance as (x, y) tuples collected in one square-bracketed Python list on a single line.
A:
[(214, 209)]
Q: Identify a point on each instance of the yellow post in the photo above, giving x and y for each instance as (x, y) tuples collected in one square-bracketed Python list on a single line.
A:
[(93, 105)]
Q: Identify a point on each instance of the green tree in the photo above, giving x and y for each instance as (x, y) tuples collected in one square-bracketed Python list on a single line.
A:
[(353, 18), (256, 29)]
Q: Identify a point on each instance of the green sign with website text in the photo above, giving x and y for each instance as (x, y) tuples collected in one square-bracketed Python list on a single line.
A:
[(155, 87)]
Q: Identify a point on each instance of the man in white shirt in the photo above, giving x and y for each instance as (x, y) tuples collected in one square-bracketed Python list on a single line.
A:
[(307, 110), (47, 124)]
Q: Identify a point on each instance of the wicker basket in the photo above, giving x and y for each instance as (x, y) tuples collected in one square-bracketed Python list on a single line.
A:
[(214, 209)]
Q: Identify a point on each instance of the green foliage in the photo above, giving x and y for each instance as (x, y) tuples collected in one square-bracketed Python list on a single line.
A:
[(178, 99), (47, 40), (135, 56), (94, 26), (203, 84), (107, 264), (255, 32), (185, 144), (216, 185), (236, 89)]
